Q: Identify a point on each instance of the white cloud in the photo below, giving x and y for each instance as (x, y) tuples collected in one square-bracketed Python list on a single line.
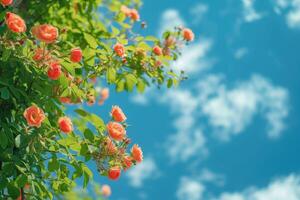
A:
[(197, 12), (230, 111), (286, 188), (194, 57), (208, 176), (240, 53), (169, 19), (250, 14), (190, 189), (141, 172), (189, 140), (293, 12)]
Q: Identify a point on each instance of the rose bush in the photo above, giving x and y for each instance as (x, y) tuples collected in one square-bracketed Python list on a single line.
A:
[(57, 53)]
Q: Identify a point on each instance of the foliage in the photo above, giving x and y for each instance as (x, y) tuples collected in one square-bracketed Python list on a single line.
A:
[(39, 161)]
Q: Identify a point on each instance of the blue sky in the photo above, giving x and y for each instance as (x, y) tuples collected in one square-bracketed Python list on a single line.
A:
[(230, 132)]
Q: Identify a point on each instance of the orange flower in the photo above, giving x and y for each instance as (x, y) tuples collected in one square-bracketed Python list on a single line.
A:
[(157, 50), (137, 153), (65, 124), (41, 54), (54, 70), (45, 33), (114, 173), (124, 9), (117, 114), (127, 160), (188, 34), (119, 49), (34, 116), (134, 15), (110, 146), (76, 55), (15, 23), (105, 190), (6, 2), (66, 100), (116, 131), (104, 93)]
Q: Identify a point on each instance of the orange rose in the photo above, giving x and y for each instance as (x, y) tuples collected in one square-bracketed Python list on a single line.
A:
[(134, 15), (119, 49), (127, 160), (41, 54), (54, 70), (76, 55), (6, 2), (105, 190), (104, 93), (15, 23), (116, 131), (188, 34), (45, 33), (117, 114), (124, 9), (65, 124), (114, 173), (137, 153), (34, 116), (157, 50), (66, 100)]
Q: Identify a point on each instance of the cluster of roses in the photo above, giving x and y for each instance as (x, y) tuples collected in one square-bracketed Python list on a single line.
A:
[(113, 147)]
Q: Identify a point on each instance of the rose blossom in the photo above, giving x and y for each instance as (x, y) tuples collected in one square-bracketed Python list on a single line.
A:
[(119, 49), (76, 55), (137, 153), (45, 33), (65, 124), (114, 173), (117, 114), (6, 2), (188, 34), (157, 50), (34, 116), (105, 190), (116, 131), (15, 23), (54, 70)]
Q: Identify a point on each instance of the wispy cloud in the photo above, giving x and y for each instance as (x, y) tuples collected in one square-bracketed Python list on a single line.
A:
[(142, 172), (287, 188), (284, 188), (190, 189), (292, 8), (250, 14), (230, 111), (169, 19), (197, 12), (240, 53)]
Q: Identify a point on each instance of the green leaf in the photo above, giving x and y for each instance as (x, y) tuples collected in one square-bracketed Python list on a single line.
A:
[(90, 40), (111, 75), (141, 85), (18, 141), (3, 140), (4, 93), (130, 82), (87, 174), (81, 112), (53, 165), (170, 83), (13, 191), (88, 134), (21, 180), (120, 86)]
